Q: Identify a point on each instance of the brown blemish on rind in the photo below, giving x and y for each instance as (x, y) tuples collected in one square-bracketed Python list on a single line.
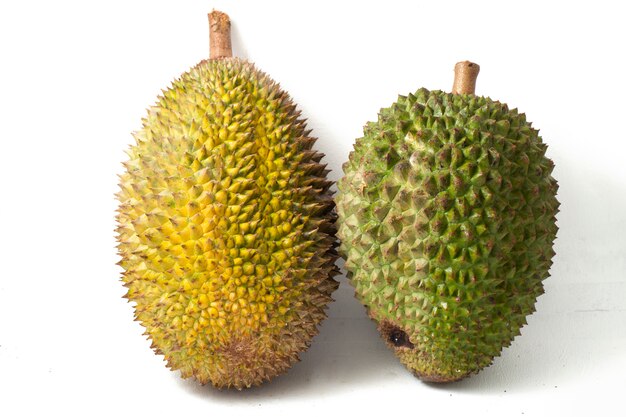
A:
[(239, 350), (395, 336)]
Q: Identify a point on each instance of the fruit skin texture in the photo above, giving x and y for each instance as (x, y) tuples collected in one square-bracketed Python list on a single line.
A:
[(226, 227), (446, 221)]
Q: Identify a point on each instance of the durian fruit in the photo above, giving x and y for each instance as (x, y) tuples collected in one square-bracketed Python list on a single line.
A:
[(446, 220), (226, 226)]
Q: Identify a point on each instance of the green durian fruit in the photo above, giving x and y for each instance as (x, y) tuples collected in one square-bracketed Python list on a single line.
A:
[(446, 219), (226, 227)]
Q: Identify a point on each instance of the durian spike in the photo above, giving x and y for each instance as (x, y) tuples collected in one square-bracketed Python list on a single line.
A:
[(219, 35), (465, 74)]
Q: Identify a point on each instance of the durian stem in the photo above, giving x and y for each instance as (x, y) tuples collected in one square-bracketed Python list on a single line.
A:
[(219, 35), (465, 74)]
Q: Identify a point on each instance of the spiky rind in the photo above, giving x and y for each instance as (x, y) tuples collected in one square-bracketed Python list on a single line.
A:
[(447, 220), (226, 227)]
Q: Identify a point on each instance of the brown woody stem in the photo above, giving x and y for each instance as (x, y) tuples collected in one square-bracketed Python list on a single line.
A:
[(219, 35), (465, 74)]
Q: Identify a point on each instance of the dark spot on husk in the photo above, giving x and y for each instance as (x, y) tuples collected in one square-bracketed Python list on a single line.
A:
[(395, 335)]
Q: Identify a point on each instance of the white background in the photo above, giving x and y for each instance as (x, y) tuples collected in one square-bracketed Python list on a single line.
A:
[(76, 78)]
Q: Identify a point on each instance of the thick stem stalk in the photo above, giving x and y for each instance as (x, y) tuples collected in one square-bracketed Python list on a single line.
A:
[(219, 35), (465, 74)]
